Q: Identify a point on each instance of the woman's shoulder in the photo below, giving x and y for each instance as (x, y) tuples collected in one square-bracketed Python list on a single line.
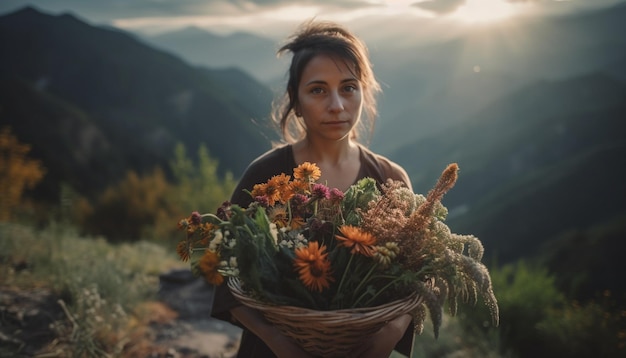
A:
[(280, 154), (384, 168), (273, 162)]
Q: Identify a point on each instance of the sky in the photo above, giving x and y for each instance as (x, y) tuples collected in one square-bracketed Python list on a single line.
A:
[(275, 18)]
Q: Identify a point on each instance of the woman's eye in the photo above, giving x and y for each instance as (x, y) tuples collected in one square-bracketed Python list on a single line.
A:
[(317, 90), (350, 88)]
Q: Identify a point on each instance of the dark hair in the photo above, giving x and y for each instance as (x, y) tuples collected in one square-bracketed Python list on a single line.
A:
[(321, 37)]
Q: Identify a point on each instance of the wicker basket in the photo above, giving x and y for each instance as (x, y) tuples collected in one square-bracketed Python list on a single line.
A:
[(327, 333)]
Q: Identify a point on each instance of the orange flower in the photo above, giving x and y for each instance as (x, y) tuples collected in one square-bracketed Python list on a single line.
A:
[(208, 264), (358, 240), (308, 172), (299, 186), (183, 250), (296, 223), (268, 190), (313, 266), (281, 183), (183, 224), (206, 233)]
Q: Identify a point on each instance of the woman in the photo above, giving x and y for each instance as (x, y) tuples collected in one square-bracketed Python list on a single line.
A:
[(330, 84)]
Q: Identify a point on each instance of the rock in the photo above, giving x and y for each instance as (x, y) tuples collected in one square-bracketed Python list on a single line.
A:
[(187, 294)]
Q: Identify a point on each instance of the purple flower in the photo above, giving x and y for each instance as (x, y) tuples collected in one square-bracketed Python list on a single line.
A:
[(336, 195), (320, 191), (299, 199), (196, 218), (315, 224), (262, 200)]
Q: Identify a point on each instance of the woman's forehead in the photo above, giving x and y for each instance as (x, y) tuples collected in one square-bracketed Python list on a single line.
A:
[(323, 67)]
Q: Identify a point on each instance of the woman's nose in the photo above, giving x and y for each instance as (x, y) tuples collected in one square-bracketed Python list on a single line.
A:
[(336, 102)]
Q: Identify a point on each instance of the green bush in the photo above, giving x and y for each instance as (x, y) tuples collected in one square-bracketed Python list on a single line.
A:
[(584, 330), (537, 319), (149, 206), (198, 187)]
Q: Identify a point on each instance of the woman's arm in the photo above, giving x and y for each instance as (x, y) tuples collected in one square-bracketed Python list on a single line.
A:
[(382, 343), (280, 344)]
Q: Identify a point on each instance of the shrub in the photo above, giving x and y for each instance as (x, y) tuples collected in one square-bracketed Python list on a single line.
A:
[(17, 173), (125, 209)]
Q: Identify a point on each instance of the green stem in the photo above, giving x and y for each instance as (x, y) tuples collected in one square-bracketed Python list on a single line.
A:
[(289, 213), (363, 281), (380, 291), (345, 273), (214, 217)]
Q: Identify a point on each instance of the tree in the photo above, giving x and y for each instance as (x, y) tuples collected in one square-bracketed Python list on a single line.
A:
[(149, 206), (199, 188), (124, 210), (17, 173)]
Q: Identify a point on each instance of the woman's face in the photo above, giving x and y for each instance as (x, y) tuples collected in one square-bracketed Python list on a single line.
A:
[(330, 98)]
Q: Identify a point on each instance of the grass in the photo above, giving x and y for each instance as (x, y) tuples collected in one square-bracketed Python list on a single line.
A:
[(99, 286)]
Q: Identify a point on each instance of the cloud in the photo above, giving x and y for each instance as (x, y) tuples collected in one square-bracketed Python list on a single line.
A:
[(440, 7), (272, 17)]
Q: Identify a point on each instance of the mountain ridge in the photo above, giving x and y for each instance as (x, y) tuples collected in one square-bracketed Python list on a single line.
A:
[(542, 146), (143, 99)]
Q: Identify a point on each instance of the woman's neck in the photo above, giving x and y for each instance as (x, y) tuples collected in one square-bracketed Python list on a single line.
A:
[(340, 162), (330, 153)]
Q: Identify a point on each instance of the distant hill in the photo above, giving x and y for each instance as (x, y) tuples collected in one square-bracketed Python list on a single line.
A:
[(253, 54), (541, 161), (96, 102)]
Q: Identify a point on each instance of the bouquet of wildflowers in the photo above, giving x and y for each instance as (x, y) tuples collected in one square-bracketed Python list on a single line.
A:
[(303, 244)]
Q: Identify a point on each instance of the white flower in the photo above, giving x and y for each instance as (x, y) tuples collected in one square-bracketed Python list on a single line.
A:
[(274, 233), (217, 240)]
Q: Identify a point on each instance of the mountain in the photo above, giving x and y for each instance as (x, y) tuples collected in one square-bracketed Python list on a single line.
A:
[(538, 162), (434, 86), (253, 54), (96, 102)]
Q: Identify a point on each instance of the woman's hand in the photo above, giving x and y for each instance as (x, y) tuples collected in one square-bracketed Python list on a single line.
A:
[(285, 347), (281, 345), (382, 343)]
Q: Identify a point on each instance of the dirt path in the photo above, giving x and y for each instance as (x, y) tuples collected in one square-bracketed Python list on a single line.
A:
[(200, 338), (177, 325), (193, 333)]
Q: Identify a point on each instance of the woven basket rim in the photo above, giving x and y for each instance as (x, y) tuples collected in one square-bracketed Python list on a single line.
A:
[(235, 287), (328, 333)]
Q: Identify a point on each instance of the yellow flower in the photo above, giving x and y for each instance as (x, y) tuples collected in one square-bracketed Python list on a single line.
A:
[(278, 215), (209, 262), (308, 172), (385, 254), (358, 240), (313, 266)]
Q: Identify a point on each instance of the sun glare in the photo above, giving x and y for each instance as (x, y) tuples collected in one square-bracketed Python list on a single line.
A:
[(482, 11)]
